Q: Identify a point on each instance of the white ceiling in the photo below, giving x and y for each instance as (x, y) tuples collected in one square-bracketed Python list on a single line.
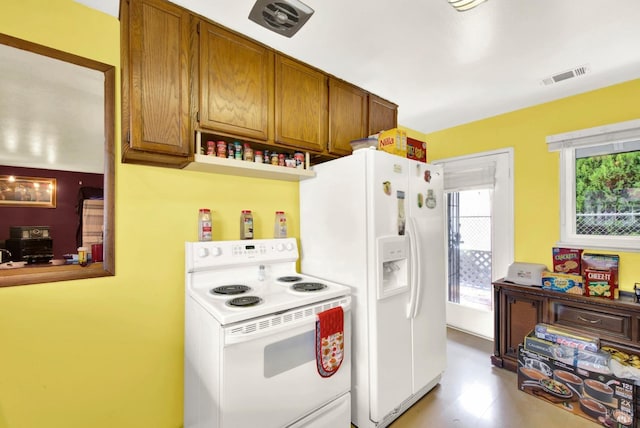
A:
[(442, 67)]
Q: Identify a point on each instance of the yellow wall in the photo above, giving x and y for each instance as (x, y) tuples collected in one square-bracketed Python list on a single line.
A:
[(536, 170), (108, 352)]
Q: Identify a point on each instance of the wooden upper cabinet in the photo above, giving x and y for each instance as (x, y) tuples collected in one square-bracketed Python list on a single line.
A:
[(301, 95), (383, 115), (155, 46), (348, 110), (236, 84)]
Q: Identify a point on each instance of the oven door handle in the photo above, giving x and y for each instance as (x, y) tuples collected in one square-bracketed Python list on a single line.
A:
[(252, 330)]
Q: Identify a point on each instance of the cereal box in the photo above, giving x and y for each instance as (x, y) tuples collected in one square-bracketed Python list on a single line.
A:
[(393, 141), (562, 282), (416, 150), (567, 260)]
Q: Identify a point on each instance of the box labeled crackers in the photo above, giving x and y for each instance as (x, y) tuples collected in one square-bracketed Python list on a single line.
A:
[(567, 260), (393, 141), (600, 273), (562, 282), (416, 150)]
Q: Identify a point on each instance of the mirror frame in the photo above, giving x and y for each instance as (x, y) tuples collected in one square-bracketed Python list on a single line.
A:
[(49, 273)]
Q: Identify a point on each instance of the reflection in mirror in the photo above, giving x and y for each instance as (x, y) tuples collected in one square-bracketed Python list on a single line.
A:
[(56, 124)]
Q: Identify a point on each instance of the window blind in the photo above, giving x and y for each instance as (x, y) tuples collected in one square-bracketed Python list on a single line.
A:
[(616, 133)]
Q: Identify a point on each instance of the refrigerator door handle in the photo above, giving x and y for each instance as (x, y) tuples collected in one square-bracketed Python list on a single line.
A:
[(414, 257)]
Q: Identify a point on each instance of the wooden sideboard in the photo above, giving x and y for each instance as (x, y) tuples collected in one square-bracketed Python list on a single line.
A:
[(518, 308)]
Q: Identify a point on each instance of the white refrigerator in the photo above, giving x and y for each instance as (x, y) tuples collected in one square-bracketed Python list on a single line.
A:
[(374, 221)]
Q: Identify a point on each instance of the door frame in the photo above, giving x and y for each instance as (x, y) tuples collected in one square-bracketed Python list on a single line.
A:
[(476, 321)]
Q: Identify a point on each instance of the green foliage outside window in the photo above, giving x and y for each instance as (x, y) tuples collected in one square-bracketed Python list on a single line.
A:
[(608, 194)]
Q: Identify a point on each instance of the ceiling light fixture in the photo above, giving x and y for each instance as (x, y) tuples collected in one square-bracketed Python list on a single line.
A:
[(462, 5)]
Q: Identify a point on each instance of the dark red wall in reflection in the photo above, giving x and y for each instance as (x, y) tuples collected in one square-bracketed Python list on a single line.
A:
[(62, 220)]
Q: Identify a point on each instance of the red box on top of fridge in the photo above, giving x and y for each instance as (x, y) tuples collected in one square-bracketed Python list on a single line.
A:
[(416, 150)]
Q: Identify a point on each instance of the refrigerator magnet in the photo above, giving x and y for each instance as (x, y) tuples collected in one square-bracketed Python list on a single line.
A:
[(386, 187), (427, 176), (431, 199), (420, 200)]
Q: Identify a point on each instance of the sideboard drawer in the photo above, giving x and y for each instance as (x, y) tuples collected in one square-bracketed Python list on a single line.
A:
[(606, 323)]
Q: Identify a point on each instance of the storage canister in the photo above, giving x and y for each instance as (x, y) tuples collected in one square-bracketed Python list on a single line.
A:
[(211, 148), (280, 225), (246, 225), (205, 226)]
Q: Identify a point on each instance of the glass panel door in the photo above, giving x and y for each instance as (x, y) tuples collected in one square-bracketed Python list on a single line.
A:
[(469, 264)]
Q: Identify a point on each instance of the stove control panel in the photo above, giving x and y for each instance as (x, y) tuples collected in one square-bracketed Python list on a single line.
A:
[(228, 253)]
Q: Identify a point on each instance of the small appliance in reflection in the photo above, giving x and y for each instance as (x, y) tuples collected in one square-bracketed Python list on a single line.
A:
[(31, 244)]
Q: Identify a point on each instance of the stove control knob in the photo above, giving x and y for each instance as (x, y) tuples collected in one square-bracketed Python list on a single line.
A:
[(203, 252), (280, 247), (289, 246), (216, 251)]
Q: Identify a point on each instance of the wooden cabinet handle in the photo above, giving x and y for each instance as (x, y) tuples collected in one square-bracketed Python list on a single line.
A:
[(590, 321)]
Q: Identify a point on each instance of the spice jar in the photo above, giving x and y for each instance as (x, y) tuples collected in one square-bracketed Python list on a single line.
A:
[(210, 148), (82, 256), (274, 159), (258, 156), (222, 149), (237, 147), (248, 153)]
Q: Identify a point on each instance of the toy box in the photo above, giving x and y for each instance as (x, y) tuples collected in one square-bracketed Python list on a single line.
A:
[(567, 260), (600, 398)]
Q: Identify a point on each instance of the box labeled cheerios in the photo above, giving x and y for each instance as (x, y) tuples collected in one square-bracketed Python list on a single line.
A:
[(567, 260)]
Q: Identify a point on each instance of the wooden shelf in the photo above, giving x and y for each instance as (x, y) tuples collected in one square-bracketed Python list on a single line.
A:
[(204, 163), (230, 166)]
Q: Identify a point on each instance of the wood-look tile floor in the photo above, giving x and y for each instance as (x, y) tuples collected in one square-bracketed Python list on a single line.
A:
[(474, 394)]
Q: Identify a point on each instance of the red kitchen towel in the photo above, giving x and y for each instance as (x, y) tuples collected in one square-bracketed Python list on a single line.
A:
[(329, 341)]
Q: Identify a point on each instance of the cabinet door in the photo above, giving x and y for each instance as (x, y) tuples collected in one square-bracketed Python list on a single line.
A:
[(236, 84), (156, 70), (301, 105), (348, 110), (521, 313), (383, 114)]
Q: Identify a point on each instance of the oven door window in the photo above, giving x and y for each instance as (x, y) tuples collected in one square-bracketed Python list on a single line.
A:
[(289, 353)]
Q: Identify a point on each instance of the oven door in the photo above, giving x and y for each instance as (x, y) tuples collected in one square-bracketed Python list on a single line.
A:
[(269, 374)]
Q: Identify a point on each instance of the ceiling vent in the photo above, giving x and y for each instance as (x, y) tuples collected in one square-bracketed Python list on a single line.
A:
[(284, 17), (569, 74)]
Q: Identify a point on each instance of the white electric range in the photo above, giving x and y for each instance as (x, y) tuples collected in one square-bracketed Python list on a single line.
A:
[(250, 339)]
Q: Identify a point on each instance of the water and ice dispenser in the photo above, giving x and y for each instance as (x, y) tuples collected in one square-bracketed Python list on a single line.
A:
[(393, 265)]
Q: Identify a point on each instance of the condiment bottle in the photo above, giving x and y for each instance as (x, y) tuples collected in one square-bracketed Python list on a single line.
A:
[(246, 225), (205, 227), (280, 225), (82, 256)]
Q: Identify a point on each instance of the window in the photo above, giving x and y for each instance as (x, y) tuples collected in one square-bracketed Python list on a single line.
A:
[(600, 186)]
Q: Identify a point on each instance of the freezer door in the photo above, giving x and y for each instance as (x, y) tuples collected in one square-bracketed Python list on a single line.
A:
[(388, 187), (390, 359)]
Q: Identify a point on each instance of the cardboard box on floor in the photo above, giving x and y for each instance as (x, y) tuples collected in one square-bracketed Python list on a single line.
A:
[(603, 399)]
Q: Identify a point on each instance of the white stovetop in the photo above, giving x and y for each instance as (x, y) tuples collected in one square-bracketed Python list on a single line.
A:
[(257, 264)]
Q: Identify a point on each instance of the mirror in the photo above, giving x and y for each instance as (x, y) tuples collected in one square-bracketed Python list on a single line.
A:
[(57, 115)]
